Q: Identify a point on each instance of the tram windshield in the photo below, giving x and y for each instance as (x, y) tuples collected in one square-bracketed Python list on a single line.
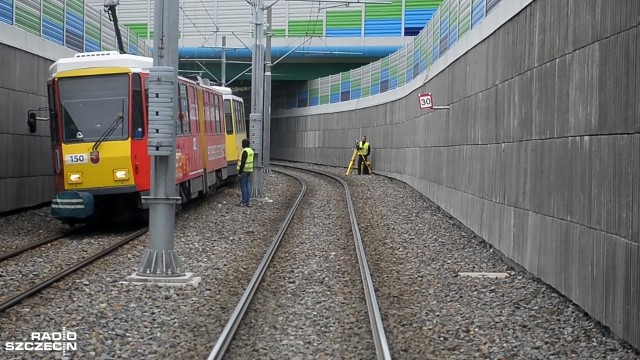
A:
[(90, 104)]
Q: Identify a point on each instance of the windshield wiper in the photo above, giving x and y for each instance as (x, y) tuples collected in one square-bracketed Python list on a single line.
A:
[(110, 130)]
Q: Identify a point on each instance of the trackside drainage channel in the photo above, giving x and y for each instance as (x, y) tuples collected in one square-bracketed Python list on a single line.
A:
[(485, 275)]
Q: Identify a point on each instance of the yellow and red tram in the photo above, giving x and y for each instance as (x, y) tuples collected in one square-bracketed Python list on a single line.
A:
[(98, 122)]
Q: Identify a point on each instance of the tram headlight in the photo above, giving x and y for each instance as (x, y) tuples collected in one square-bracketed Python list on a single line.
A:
[(120, 174), (74, 178)]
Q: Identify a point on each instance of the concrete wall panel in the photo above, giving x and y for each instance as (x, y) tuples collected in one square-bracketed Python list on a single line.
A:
[(539, 153), (25, 159), (632, 293), (24, 191)]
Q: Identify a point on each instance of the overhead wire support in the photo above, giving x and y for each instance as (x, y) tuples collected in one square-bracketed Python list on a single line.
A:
[(160, 262), (223, 65), (257, 100), (242, 73), (272, 4), (242, 42), (267, 96), (207, 71), (290, 51)]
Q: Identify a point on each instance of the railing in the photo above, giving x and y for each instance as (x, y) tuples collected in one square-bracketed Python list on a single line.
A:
[(69, 23), (453, 20)]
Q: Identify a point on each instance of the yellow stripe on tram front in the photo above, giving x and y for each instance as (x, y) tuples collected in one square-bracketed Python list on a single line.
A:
[(110, 166)]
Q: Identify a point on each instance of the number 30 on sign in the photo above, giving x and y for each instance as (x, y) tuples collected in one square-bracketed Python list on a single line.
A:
[(426, 101)]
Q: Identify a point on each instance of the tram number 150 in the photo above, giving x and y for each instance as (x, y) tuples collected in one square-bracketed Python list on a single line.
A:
[(76, 159)]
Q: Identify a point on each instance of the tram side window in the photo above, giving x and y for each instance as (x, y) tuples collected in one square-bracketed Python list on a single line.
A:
[(53, 115), (216, 114), (228, 121), (212, 101), (239, 117), (212, 118), (137, 123), (205, 111), (182, 125), (193, 108), (242, 117)]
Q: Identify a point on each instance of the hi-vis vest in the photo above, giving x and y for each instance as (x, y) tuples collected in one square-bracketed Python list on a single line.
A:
[(364, 148), (248, 166)]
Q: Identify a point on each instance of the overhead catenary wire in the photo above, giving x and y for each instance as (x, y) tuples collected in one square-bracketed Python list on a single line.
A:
[(210, 17), (196, 26), (310, 32), (205, 39)]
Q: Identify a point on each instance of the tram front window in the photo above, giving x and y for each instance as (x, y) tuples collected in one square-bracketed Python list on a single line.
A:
[(90, 105)]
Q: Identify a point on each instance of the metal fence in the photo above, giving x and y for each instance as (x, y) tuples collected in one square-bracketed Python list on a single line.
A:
[(69, 23), (453, 20)]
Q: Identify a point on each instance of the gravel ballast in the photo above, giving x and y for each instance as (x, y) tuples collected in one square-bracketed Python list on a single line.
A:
[(20, 229)]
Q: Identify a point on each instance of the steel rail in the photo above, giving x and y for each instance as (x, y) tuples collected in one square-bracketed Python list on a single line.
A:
[(229, 330), (35, 244), (77, 266), (375, 319)]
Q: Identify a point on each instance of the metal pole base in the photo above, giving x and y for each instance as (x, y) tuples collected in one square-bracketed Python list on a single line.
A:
[(267, 170), (257, 191), (178, 281), (160, 263)]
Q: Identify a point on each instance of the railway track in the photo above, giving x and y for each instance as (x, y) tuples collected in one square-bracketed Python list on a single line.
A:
[(293, 270), (36, 244), (45, 283)]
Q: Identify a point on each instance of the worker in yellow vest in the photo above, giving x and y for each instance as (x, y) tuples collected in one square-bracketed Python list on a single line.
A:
[(245, 168), (364, 149)]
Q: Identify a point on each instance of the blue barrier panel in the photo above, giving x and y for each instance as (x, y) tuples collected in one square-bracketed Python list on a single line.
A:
[(477, 13), (383, 27), (6, 11), (75, 31), (415, 20), (91, 45), (52, 31), (354, 32)]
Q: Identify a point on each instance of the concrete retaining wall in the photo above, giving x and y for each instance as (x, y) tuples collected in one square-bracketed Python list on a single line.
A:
[(539, 153), (25, 159)]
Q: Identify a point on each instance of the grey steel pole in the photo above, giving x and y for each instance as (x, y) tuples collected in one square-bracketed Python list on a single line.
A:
[(223, 70), (266, 146), (160, 259), (257, 93)]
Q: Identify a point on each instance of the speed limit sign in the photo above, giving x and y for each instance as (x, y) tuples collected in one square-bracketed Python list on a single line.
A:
[(426, 102)]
